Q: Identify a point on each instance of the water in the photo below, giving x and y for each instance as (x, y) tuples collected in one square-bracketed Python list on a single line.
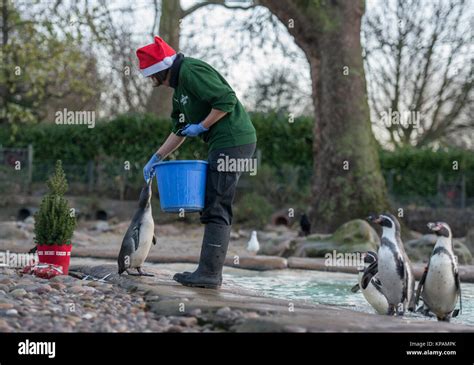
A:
[(328, 288)]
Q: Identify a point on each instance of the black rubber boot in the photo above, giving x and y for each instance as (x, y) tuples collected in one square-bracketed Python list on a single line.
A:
[(213, 252)]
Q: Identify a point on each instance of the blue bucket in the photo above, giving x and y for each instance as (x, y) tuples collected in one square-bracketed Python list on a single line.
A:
[(182, 185)]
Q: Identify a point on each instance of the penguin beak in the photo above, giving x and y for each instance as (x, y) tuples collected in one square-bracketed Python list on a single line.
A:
[(434, 226), (374, 219)]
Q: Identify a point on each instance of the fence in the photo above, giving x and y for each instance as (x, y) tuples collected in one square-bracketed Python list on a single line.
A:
[(116, 179)]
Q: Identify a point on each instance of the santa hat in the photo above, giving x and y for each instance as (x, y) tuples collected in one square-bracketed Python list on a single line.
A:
[(155, 57)]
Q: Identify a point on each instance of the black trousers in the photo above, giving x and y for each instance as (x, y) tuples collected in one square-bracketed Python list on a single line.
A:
[(221, 183)]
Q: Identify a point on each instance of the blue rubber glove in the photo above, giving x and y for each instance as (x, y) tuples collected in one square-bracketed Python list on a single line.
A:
[(149, 169), (193, 130)]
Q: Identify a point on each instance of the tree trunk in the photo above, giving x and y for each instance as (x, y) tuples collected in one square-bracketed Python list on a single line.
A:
[(5, 88), (347, 180), (160, 102)]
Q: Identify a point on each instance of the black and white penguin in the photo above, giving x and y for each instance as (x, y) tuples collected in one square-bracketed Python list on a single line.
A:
[(370, 285), (139, 236), (394, 267), (305, 225), (440, 285)]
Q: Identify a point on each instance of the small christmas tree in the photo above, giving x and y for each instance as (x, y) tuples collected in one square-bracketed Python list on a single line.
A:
[(54, 222)]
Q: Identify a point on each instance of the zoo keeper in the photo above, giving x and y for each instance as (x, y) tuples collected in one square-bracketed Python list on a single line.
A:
[(204, 106)]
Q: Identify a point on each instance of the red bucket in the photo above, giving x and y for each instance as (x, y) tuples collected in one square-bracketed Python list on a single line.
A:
[(55, 254)]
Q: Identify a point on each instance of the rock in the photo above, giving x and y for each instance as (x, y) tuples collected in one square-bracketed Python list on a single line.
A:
[(282, 248), (28, 287), (152, 298), (28, 302), (4, 306), (12, 312), (175, 329), (4, 326), (420, 249), (296, 329), (163, 321), (94, 284), (355, 235), (259, 325), (88, 316), (259, 263), (76, 289), (4, 288), (73, 318), (18, 293), (63, 279), (188, 321), (58, 286), (251, 315), (224, 311), (83, 239), (195, 312), (30, 220), (306, 263), (7, 281), (42, 289), (89, 289), (101, 226), (10, 230), (6, 271), (469, 240)]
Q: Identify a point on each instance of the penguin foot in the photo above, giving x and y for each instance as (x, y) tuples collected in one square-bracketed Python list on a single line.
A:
[(391, 310), (143, 273), (424, 311), (140, 273), (446, 318)]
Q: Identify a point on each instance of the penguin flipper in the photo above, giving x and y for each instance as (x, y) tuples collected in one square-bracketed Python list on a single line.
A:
[(405, 284), (369, 273), (458, 290), (421, 284), (154, 240), (136, 235), (366, 280), (355, 288)]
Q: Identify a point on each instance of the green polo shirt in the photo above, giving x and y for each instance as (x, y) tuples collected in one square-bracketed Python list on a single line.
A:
[(201, 88)]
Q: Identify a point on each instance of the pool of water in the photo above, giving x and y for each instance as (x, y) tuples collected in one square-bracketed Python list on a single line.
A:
[(327, 288)]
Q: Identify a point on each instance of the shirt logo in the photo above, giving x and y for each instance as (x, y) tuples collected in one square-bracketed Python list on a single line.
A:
[(184, 99)]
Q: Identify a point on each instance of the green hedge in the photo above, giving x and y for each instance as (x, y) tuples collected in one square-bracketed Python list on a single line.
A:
[(412, 171), (134, 138)]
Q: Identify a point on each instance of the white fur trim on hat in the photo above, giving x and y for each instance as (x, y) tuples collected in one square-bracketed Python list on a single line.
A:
[(160, 66)]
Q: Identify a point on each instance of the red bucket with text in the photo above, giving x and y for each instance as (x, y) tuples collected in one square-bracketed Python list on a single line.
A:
[(56, 255)]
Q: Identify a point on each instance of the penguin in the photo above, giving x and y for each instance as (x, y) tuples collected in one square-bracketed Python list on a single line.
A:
[(253, 245), (440, 285), (394, 267), (370, 285), (139, 236), (305, 225)]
